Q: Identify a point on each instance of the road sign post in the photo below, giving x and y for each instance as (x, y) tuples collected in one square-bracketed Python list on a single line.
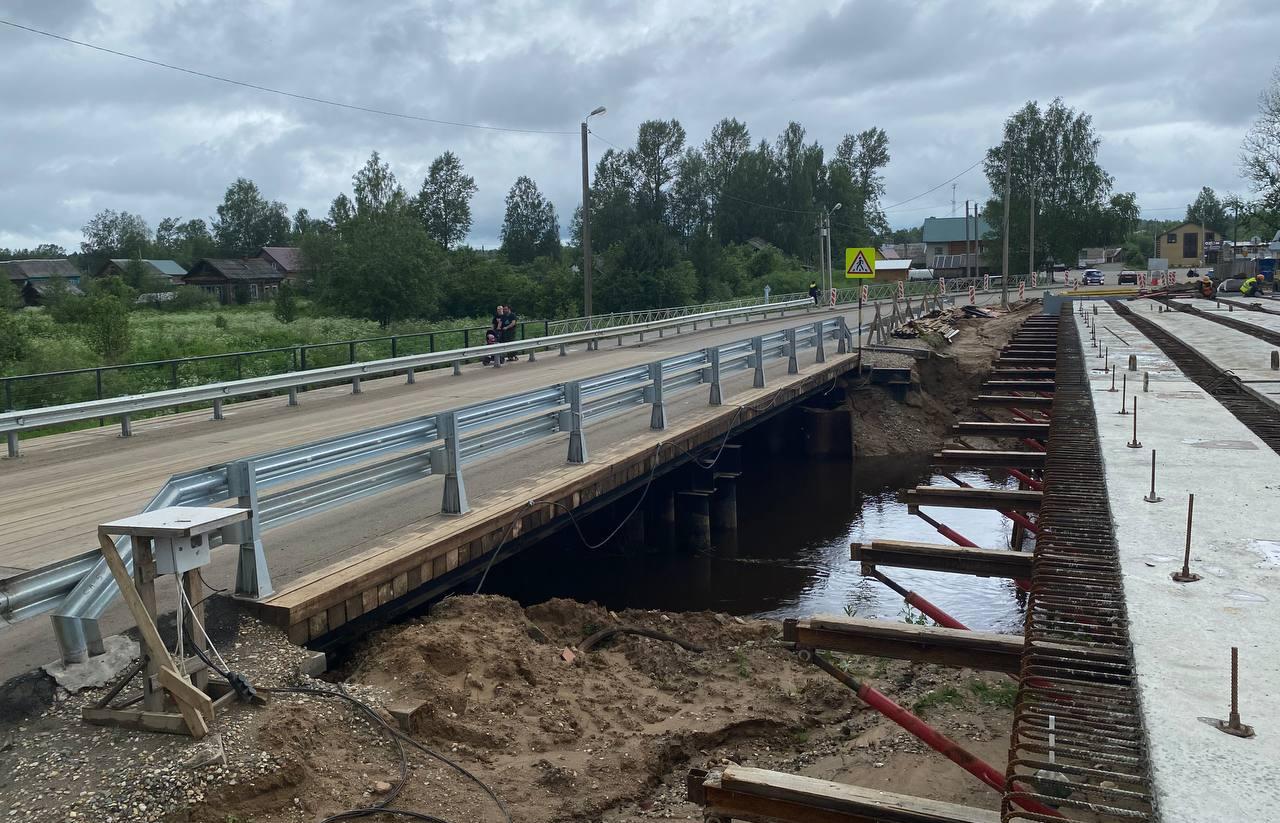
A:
[(859, 264)]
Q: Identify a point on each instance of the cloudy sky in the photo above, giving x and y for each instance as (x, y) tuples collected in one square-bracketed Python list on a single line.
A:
[(1172, 88)]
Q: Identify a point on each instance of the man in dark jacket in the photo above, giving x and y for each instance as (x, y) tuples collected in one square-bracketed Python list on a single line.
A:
[(813, 291)]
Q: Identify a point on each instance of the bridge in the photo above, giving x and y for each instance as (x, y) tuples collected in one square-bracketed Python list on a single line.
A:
[(324, 564)]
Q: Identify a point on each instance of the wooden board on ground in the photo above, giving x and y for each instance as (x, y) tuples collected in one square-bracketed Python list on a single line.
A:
[(903, 641)]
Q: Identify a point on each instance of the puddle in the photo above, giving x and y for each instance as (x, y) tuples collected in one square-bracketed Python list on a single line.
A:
[(1245, 597), (1269, 549), (1230, 445)]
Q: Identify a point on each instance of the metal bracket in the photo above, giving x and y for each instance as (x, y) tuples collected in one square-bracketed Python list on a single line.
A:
[(253, 577)]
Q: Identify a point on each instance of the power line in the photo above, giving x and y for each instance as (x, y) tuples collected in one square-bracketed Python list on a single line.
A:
[(935, 188), (281, 92)]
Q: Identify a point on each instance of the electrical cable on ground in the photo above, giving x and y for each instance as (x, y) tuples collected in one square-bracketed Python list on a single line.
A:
[(397, 737)]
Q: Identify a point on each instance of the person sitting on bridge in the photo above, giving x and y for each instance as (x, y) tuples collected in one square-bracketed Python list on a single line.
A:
[(813, 291), (1252, 287)]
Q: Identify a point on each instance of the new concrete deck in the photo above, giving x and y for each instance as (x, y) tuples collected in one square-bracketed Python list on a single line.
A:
[(1183, 633)]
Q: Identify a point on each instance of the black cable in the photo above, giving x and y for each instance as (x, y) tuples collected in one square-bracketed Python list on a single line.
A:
[(935, 188), (269, 90)]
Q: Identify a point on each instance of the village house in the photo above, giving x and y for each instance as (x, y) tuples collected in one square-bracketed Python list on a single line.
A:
[(169, 271), (234, 281), (285, 259), (949, 243), (1184, 246), (34, 278)]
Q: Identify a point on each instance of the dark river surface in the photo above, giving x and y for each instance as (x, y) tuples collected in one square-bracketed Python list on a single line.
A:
[(790, 556)]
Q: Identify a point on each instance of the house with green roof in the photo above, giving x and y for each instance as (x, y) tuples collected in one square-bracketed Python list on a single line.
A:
[(949, 243), (168, 270)]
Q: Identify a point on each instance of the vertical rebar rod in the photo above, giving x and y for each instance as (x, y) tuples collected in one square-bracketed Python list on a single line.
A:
[(1234, 718)]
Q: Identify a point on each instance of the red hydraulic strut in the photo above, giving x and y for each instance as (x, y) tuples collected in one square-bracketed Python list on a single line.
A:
[(1016, 517), (946, 531), (934, 613), (1035, 485), (935, 739)]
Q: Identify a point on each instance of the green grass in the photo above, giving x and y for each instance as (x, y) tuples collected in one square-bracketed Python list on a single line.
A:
[(995, 694), (744, 670), (946, 696), (157, 335)]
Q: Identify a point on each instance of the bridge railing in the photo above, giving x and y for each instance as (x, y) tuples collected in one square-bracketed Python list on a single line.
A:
[(12, 424), (299, 481)]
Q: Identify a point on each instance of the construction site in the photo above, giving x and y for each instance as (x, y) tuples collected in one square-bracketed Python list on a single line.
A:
[(935, 561)]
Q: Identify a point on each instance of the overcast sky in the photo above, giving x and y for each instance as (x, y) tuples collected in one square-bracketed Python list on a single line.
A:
[(1172, 88)]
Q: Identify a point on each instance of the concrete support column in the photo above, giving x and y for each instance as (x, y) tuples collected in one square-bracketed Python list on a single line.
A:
[(661, 515), (693, 520), (724, 504)]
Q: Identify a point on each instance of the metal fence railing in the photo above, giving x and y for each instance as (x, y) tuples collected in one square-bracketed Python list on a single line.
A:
[(299, 481), (32, 391), (125, 407)]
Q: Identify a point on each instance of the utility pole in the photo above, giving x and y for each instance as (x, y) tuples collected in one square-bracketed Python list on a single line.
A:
[(586, 219), (1031, 254), (1004, 269), (953, 202), (966, 238)]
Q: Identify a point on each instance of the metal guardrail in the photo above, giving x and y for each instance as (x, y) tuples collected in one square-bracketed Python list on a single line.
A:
[(100, 382), (292, 483), (13, 423)]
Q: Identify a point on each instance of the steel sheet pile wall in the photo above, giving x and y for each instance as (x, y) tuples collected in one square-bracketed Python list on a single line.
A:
[(1078, 742)]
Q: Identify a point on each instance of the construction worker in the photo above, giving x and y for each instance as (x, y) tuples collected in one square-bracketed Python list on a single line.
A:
[(813, 291), (1205, 287), (1252, 287)]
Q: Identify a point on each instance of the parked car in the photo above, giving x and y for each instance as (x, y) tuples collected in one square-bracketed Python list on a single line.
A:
[(920, 274), (1093, 277), (1231, 286), (1128, 277)]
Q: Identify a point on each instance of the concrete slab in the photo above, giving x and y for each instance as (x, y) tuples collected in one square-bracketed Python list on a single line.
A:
[(1183, 633)]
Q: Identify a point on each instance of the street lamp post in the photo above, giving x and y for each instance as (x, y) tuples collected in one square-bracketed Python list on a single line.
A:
[(586, 219), (827, 270)]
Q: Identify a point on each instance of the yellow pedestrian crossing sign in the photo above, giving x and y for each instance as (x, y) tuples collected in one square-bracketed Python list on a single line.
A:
[(859, 264)]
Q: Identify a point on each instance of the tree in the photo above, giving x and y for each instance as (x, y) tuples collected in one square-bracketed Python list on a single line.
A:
[(724, 149), (13, 339), (247, 220), (1260, 152), (865, 155), (445, 201), (376, 189), (690, 208), (1054, 150), (1208, 211), (183, 241), (112, 234), (529, 228), (10, 297), (106, 326), (285, 306), (654, 161)]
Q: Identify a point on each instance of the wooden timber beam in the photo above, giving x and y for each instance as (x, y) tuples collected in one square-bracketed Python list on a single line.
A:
[(1001, 429), (1021, 385), (942, 557), (1027, 361), (1010, 401), (1001, 371), (1010, 500), (903, 641), (759, 795), (989, 459)]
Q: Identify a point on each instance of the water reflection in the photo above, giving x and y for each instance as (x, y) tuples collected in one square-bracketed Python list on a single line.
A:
[(790, 556)]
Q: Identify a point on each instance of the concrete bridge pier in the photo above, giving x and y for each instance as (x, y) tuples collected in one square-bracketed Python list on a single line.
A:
[(828, 431), (693, 519), (660, 517)]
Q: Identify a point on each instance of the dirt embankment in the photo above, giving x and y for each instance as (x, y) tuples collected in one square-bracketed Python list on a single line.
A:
[(942, 388), (610, 735)]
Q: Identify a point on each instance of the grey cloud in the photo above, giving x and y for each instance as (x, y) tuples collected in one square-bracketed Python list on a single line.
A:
[(1171, 92)]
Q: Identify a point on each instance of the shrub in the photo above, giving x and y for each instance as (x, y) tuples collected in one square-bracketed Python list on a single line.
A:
[(189, 298), (286, 304), (13, 339), (106, 325)]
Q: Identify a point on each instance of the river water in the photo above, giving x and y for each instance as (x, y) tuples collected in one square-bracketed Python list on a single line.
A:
[(790, 556)]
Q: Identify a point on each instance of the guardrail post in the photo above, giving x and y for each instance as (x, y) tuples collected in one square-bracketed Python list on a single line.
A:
[(757, 348), (253, 577), (793, 366), (821, 355), (532, 356), (455, 490), (577, 439), (293, 395), (713, 364), (563, 351), (842, 327), (355, 385), (217, 409), (12, 437), (457, 367), (658, 415), (410, 377), (126, 426)]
